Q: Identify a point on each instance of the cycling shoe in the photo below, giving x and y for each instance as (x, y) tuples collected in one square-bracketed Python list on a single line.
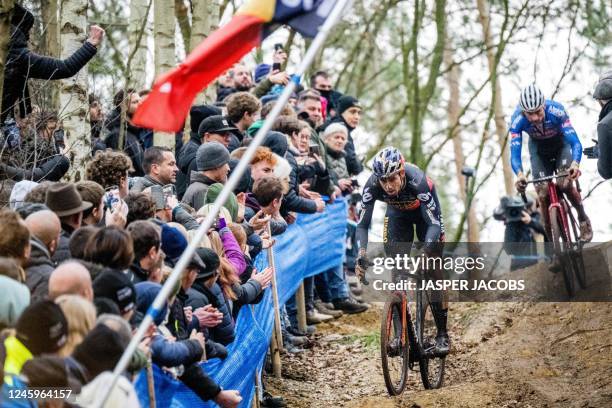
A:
[(442, 345)]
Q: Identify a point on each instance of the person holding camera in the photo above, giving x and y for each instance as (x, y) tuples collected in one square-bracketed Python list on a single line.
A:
[(603, 149), (522, 220)]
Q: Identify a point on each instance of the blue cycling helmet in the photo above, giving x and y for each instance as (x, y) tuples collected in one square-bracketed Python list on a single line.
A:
[(388, 161)]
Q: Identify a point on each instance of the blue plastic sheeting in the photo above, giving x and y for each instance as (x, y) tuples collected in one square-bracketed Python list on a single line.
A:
[(312, 245)]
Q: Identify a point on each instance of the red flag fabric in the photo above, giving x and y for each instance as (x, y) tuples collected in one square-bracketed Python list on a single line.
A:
[(167, 106)]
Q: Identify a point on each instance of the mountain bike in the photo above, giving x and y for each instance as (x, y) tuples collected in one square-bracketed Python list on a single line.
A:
[(407, 337), (565, 235)]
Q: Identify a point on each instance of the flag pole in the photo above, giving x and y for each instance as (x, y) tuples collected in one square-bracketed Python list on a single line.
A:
[(157, 306)]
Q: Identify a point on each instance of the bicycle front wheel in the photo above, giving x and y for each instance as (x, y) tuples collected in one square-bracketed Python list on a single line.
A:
[(394, 347), (562, 248), (431, 366)]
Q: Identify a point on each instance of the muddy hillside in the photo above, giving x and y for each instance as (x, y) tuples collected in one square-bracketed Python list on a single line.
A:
[(529, 354)]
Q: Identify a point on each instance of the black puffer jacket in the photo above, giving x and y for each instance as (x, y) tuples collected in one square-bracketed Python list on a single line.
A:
[(185, 160), (22, 64), (38, 270), (62, 252), (292, 200), (51, 170), (131, 141)]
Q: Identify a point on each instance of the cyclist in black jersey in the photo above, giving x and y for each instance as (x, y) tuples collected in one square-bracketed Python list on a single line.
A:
[(412, 204)]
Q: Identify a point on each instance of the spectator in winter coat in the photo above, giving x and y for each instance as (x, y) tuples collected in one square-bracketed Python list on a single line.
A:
[(131, 133), (311, 166), (212, 167), (335, 136), (277, 142), (160, 169), (603, 95), (148, 256), (52, 169), (320, 81), (186, 353), (185, 157), (22, 64), (243, 110), (349, 114), (64, 200), (206, 291), (41, 329), (45, 228)]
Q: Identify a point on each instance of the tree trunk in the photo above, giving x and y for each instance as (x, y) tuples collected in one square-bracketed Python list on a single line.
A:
[(73, 91), (182, 18), (165, 58), (138, 13), (453, 112), (205, 21), (51, 47), (500, 123)]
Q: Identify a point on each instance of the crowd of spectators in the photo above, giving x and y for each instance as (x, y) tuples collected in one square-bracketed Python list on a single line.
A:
[(81, 262)]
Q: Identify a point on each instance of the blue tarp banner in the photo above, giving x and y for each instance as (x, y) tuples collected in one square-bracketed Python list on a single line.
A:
[(315, 243)]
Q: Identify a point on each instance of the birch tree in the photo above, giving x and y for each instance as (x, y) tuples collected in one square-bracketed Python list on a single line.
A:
[(165, 59), (454, 115), (139, 13), (205, 20), (73, 91), (498, 116)]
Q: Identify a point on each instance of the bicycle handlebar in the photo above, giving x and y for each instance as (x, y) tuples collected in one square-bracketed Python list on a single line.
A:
[(547, 178)]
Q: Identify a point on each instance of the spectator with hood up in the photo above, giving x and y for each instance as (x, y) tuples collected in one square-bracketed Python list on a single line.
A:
[(23, 64), (185, 157)]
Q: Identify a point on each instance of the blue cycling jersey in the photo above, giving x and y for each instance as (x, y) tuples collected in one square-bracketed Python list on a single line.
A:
[(550, 136)]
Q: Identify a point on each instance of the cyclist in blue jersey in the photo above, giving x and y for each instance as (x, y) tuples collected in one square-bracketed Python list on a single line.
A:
[(412, 206), (553, 146)]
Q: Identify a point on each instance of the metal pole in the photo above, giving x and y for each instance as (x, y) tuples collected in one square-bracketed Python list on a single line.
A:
[(174, 277)]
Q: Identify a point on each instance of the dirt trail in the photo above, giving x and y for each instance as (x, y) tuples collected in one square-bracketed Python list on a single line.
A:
[(503, 355)]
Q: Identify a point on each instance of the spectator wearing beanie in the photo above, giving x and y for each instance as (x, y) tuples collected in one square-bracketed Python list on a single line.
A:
[(212, 167), (170, 354), (19, 192), (45, 231), (14, 298), (185, 157), (205, 290), (349, 113), (41, 328), (117, 287)]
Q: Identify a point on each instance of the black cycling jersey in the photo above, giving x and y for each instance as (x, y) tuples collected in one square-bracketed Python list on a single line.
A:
[(417, 195)]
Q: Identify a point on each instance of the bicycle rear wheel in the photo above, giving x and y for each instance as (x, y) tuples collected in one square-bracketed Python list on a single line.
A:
[(431, 367), (394, 347), (577, 256), (562, 251)]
